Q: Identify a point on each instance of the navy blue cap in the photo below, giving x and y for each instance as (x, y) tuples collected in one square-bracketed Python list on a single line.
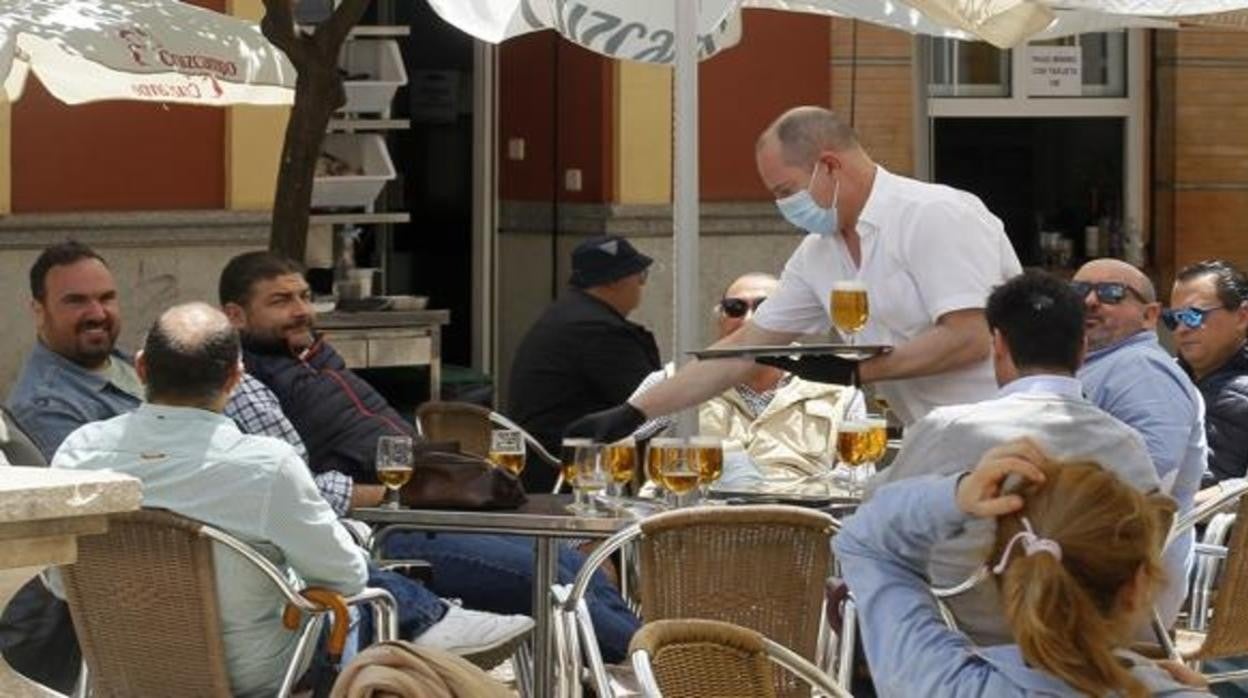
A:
[(603, 259)]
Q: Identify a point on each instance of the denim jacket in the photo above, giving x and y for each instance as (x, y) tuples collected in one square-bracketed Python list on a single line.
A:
[(884, 550), (54, 396)]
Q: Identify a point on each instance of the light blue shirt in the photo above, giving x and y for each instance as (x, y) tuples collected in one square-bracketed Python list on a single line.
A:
[(883, 550), (1139, 383), (198, 464), (54, 396)]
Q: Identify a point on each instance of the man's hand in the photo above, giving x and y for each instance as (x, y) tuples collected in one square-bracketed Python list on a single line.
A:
[(979, 491), (609, 425), (823, 368)]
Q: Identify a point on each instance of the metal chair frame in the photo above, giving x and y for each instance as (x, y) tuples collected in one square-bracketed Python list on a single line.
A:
[(574, 630), (786, 658), (381, 603)]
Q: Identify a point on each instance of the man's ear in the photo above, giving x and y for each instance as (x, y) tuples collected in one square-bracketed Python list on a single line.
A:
[(140, 366), (235, 313), (235, 377)]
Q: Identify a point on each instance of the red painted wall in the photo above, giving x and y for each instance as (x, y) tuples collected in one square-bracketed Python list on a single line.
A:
[(116, 155), (783, 60), (541, 75)]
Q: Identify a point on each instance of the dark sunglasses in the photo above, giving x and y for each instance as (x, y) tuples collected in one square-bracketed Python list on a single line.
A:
[(1191, 317), (738, 307), (1108, 292)]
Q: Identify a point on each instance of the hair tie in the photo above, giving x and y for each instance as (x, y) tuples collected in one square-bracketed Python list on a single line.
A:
[(1032, 544)]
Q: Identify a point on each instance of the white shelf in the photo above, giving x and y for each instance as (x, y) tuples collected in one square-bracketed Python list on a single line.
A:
[(349, 124), (384, 217)]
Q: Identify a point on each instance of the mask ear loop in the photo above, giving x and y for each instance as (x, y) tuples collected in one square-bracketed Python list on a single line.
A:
[(836, 183)]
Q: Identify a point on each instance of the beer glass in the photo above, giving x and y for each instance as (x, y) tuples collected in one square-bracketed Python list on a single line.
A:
[(853, 446), (849, 308), (567, 463), (620, 460), (591, 479), (659, 454), (877, 444), (507, 450), (394, 466), (680, 474), (707, 454)]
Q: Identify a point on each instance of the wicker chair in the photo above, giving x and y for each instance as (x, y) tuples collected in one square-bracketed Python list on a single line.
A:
[(1223, 630), (697, 658), (761, 567), (144, 602), (470, 425)]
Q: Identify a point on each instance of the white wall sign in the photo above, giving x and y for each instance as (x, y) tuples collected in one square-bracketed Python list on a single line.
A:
[(1054, 71)]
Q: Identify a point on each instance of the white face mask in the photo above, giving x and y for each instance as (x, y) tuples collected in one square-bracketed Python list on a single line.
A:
[(801, 210)]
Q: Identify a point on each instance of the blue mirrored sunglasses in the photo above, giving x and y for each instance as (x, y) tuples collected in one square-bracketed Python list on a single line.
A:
[(1191, 317)]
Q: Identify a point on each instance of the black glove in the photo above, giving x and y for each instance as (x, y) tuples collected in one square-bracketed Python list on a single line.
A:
[(608, 425), (821, 368)]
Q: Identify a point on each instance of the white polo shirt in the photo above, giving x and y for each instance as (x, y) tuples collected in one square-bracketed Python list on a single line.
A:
[(927, 250)]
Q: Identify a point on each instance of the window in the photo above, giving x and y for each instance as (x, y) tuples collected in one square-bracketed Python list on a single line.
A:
[(976, 69)]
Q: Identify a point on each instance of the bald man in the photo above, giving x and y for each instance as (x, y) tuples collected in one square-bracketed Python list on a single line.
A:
[(1128, 374), (927, 254)]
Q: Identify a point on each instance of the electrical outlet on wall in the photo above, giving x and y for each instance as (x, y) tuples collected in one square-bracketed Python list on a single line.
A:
[(515, 148), (572, 179)]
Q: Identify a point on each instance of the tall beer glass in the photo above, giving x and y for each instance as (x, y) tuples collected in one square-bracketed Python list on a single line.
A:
[(620, 461), (660, 453), (394, 466), (680, 474), (707, 454), (853, 445), (849, 308), (567, 464)]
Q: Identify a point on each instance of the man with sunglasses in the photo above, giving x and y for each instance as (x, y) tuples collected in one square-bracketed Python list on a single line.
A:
[(582, 354), (928, 255), (1208, 317), (1129, 375)]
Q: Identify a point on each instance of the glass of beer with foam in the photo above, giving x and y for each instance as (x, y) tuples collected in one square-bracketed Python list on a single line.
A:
[(507, 450), (853, 447), (707, 454), (620, 461), (394, 466), (849, 308)]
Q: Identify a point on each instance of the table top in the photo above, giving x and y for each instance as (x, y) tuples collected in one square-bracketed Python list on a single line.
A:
[(542, 515), (35, 493)]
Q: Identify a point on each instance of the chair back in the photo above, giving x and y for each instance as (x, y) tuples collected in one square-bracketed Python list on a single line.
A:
[(463, 422), (18, 447), (1228, 628), (144, 602), (697, 658), (760, 567)]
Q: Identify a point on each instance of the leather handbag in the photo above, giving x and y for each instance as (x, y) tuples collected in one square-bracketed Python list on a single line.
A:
[(444, 478)]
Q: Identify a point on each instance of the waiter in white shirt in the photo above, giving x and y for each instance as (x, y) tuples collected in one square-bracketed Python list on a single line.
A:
[(927, 254)]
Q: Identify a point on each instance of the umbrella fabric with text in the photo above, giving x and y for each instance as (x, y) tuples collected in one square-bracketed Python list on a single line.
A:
[(146, 50)]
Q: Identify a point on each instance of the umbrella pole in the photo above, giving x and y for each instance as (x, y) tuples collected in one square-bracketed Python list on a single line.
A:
[(685, 336)]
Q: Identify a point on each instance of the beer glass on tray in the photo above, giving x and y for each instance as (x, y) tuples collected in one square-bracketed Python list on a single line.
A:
[(849, 308)]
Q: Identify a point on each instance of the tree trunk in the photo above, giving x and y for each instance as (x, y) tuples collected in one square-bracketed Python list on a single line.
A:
[(318, 94)]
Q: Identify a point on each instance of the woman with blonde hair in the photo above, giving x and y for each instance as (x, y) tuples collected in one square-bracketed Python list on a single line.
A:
[(1076, 555)]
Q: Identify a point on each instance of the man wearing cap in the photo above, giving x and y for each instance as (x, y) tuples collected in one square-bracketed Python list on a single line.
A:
[(582, 355)]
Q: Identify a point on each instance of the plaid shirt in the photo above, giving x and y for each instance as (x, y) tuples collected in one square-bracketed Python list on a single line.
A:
[(256, 410)]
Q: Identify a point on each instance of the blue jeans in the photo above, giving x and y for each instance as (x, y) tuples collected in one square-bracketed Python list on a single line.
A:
[(418, 607), (495, 573)]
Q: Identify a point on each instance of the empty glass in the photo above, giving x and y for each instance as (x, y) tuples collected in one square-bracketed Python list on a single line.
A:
[(591, 479)]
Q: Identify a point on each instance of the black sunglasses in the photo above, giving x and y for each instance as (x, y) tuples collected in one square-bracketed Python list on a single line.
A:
[(738, 307), (1191, 317), (1108, 292)]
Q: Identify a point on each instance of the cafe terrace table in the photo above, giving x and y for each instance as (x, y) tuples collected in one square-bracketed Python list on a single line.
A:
[(544, 517)]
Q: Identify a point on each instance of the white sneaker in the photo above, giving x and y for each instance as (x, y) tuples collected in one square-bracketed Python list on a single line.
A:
[(485, 639)]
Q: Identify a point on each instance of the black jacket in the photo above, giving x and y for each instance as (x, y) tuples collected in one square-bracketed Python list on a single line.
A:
[(338, 415), (1226, 417), (581, 356)]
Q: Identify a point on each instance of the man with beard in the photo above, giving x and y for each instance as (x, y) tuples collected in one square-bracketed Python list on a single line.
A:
[(339, 417), (74, 374)]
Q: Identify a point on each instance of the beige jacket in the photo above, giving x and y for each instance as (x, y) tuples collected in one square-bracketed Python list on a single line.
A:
[(795, 434)]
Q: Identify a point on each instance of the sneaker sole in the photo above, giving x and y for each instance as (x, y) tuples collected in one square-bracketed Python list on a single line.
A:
[(489, 657)]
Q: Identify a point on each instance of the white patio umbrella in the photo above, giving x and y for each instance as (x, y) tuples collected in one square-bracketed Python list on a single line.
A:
[(146, 50), (681, 31)]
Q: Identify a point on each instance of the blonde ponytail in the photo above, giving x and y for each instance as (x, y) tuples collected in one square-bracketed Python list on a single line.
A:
[(1065, 610)]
